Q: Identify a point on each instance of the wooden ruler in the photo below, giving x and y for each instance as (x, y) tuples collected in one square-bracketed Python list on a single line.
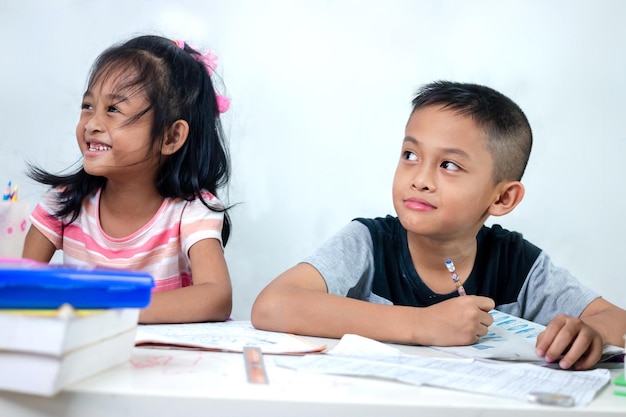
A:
[(255, 366)]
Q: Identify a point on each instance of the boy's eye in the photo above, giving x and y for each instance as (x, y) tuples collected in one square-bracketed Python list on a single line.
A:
[(451, 166), (409, 156)]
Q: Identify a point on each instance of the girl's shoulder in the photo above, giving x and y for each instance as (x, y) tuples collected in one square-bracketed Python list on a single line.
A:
[(54, 198), (209, 199), (204, 201)]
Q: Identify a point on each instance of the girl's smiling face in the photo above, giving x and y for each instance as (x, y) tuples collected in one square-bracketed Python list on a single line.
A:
[(443, 185), (115, 127)]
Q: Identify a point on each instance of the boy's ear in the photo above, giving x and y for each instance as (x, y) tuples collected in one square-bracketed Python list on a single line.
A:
[(175, 137), (509, 195)]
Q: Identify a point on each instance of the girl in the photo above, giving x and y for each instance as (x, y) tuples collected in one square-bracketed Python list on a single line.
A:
[(145, 197)]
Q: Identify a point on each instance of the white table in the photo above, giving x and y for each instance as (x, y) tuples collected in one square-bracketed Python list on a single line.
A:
[(186, 383)]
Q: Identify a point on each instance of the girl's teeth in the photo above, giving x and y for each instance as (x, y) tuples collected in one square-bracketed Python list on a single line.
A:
[(99, 148)]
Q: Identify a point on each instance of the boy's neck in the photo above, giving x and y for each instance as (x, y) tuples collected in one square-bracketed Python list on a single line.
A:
[(429, 256)]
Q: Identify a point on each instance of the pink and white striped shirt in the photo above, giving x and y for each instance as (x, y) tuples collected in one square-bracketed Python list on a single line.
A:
[(160, 247)]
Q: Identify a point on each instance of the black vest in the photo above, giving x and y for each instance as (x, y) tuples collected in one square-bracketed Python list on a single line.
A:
[(503, 261)]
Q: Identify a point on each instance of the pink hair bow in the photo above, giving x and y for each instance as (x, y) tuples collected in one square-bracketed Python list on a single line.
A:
[(209, 60)]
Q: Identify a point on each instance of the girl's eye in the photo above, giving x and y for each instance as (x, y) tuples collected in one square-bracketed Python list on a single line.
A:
[(409, 156), (85, 106), (450, 166), (113, 109)]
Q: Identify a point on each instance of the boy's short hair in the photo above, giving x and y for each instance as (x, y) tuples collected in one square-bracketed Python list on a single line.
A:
[(508, 133)]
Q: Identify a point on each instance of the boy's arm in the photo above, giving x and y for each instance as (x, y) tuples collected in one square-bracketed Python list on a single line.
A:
[(580, 340), (298, 302), (208, 299), (607, 319)]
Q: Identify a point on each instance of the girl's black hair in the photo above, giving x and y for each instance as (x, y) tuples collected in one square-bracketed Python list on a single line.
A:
[(177, 86)]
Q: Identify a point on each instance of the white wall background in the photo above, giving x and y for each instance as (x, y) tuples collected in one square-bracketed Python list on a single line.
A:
[(320, 94)]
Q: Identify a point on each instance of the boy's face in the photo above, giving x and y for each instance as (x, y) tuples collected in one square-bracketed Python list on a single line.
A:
[(443, 185)]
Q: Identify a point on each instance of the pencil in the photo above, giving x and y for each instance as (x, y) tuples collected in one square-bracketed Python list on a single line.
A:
[(455, 277), (7, 192)]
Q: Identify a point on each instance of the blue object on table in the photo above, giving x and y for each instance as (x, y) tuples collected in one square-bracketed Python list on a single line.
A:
[(32, 285)]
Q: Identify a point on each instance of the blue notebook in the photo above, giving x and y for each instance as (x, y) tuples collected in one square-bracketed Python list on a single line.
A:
[(32, 285)]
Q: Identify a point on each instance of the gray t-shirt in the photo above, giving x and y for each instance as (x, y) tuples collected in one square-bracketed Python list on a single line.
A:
[(348, 264)]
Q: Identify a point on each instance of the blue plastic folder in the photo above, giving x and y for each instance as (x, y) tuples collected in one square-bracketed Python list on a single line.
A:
[(33, 285)]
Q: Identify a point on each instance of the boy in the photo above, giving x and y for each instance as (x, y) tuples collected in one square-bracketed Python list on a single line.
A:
[(464, 154)]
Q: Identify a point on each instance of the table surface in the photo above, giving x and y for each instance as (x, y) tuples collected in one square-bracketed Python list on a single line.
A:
[(172, 382)]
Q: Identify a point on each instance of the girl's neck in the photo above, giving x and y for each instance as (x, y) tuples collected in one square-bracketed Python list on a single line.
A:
[(126, 209)]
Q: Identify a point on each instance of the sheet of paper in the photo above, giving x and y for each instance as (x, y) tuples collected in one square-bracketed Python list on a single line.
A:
[(353, 356), (508, 338), (230, 336), (511, 338)]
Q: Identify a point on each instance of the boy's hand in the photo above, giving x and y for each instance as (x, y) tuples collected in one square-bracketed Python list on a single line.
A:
[(459, 321), (570, 337)]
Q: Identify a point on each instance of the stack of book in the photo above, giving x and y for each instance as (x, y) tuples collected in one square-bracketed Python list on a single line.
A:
[(59, 325)]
